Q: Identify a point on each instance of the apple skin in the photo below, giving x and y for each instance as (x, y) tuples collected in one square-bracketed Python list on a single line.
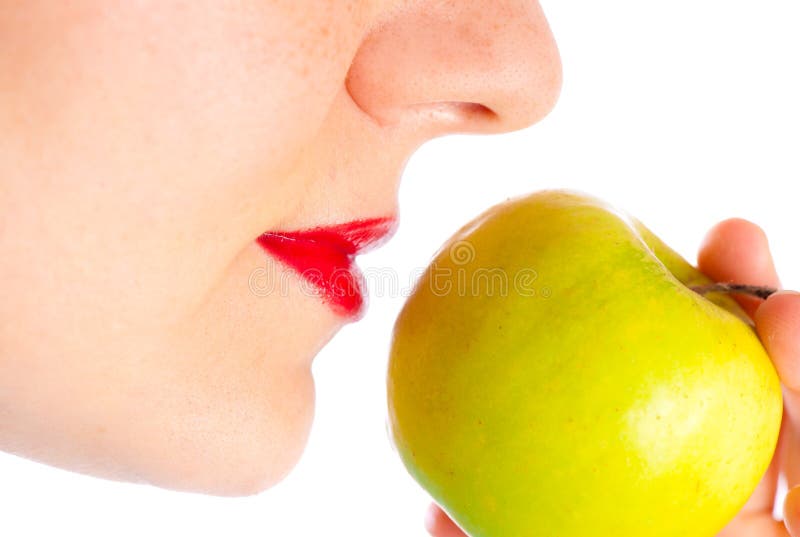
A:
[(614, 401)]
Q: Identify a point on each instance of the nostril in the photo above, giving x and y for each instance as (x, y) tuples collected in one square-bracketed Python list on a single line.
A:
[(469, 116), (455, 112), (476, 110)]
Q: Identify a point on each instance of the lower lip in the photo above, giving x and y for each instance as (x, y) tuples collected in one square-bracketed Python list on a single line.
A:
[(324, 258)]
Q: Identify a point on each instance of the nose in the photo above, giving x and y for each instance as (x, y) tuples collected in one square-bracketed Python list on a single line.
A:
[(471, 66)]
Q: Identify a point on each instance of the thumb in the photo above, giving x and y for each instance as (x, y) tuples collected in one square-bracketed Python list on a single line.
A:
[(737, 251), (791, 512)]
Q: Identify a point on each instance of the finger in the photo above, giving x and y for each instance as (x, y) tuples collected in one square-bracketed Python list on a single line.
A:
[(778, 326), (439, 524), (791, 512), (737, 251)]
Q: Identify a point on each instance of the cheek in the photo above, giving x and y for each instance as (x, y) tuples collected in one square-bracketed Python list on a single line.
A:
[(161, 152), (247, 68), (173, 147)]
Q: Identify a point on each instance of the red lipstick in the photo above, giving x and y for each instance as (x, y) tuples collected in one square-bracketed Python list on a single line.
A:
[(325, 258)]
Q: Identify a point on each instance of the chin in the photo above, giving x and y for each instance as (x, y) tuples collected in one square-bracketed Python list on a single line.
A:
[(242, 453)]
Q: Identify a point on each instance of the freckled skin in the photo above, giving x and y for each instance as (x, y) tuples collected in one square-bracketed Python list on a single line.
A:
[(617, 403)]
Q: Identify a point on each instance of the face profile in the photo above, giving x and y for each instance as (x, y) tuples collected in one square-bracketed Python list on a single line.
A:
[(156, 152)]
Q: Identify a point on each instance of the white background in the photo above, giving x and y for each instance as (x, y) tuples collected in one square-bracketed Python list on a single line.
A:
[(683, 113)]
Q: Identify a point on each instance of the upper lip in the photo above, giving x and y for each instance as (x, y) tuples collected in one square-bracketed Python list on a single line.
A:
[(349, 238)]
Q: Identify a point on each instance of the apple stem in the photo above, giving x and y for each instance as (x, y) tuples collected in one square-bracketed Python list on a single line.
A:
[(753, 290)]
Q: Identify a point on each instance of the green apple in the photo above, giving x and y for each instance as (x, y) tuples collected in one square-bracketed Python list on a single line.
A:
[(556, 373)]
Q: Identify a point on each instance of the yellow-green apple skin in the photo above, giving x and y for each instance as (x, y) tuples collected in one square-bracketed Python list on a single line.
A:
[(598, 396)]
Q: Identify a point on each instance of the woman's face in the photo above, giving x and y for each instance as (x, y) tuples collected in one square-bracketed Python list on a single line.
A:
[(145, 146)]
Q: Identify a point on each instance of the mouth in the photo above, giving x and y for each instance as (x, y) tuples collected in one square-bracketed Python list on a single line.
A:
[(324, 258)]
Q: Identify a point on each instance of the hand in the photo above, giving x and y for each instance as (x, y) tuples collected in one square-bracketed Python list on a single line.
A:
[(736, 251)]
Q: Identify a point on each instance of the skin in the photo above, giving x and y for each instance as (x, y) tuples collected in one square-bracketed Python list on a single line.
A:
[(145, 145)]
